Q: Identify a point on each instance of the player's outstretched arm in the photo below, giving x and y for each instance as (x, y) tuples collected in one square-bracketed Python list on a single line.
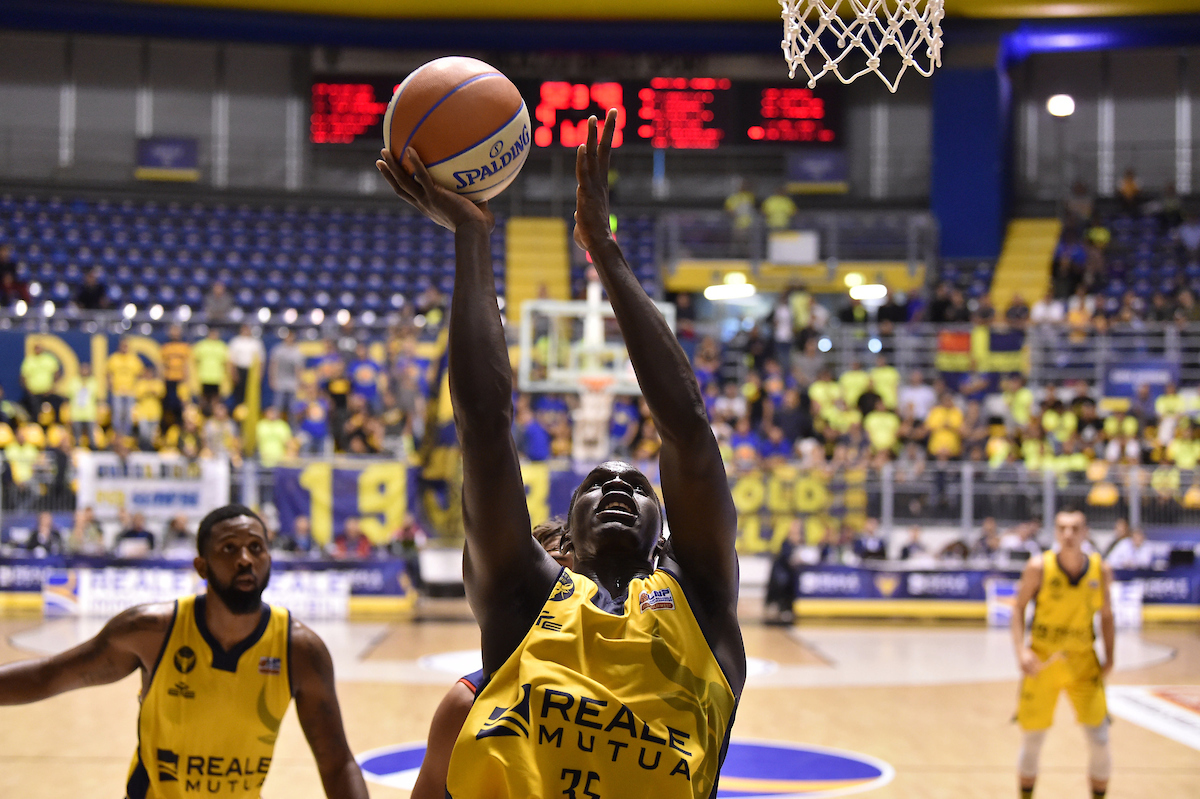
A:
[(695, 487), (508, 576), (447, 722), (321, 717), (131, 640), (1031, 581)]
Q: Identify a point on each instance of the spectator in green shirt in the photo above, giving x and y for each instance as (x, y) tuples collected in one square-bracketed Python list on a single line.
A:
[(39, 370), (272, 435), (211, 357)]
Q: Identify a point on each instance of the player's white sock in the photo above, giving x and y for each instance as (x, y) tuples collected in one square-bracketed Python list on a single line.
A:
[(1099, 754), (1031, 753)]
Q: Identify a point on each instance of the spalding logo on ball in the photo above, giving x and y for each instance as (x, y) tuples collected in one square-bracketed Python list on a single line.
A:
[(467, 122)]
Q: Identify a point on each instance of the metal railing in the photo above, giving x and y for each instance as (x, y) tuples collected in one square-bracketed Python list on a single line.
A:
[(844, 235), (952, 495)]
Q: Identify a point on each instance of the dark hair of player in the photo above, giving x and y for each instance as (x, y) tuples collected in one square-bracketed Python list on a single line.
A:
[(204, 532)]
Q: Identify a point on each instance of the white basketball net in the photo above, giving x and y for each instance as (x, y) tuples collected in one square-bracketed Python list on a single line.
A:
[(909, 26)]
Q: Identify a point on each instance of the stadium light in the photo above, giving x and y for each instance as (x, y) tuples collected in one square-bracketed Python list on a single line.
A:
[(853, 279), (1061, 105), (35, 289), (825, 344), (875, 345), (868, 292), (156, 312), (48, 308), (734, 287), (264, 315), (184, 313), (290, 316), (130, 311), (368, 317), (317, 316), (343, 317)]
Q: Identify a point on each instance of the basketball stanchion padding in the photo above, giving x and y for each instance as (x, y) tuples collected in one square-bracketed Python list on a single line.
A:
[(861, 29), (467, 122)]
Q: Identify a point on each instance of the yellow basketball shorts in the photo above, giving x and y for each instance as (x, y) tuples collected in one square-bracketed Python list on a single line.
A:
[(1078, 673)]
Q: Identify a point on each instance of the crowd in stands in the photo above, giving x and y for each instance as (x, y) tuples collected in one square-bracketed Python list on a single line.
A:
[(132, 536)]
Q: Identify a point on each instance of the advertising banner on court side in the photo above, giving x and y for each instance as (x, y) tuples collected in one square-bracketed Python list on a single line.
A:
[(1175, 586), (159, 486)]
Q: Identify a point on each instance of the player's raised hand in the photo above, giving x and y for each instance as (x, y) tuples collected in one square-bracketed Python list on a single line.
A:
[(592, 225), (413, 183)]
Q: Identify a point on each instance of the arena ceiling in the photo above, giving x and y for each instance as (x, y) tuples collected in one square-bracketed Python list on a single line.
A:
[(693, 10)]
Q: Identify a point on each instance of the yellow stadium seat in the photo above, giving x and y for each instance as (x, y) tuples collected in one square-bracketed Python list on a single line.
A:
[(1103, 495), (34, 434)]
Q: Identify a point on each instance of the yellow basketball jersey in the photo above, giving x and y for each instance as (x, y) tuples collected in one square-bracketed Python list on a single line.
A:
[(1064, 609), (209, 717), (600, 700)]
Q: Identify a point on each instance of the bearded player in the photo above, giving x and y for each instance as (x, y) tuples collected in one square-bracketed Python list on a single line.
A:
[(218, 673), (621, 677), (1068, 588)]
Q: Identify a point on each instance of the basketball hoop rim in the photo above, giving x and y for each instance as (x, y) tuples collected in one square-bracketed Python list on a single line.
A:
[(596, 383)]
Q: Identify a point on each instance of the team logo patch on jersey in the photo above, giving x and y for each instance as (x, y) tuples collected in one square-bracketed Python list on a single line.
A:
[(659, 599), (168, 766), (752, 770), (509, 721), (268, 665), (563, 588), (185, 659)]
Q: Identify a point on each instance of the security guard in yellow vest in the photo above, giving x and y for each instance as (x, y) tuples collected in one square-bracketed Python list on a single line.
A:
[(1068, 588), (218, 673)]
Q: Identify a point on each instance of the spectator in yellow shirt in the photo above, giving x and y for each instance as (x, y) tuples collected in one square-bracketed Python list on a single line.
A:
[(885, 379), (854, 381), (21, 456), (150, 390), (945, 423), (211, 357), (177, 368), (740, 207), (824, 392), (83, 396), (39, 371), (124, 368), (883, 430), (1018, 399), (272, 436), (778, 210)]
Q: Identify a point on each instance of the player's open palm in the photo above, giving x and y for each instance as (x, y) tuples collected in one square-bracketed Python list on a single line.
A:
[(592, 226), (413, 183)]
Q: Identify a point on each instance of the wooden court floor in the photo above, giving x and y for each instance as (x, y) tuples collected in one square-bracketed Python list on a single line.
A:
[(950, 738)]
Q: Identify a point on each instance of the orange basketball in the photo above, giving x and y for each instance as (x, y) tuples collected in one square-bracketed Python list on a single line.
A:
[(467, 122)]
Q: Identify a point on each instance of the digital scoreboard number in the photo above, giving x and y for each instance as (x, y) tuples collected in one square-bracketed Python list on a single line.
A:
[(346, 111), (663, 113), (686, 113)]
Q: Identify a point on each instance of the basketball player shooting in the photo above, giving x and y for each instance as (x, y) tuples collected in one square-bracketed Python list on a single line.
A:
[(218, 673), (621, 677), (1068, 588)]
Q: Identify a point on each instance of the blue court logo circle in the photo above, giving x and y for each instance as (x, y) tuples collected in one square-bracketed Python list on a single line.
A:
[(752, 770)]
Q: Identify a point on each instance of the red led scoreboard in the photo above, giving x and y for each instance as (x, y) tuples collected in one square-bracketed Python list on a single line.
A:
[(676, 113)]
